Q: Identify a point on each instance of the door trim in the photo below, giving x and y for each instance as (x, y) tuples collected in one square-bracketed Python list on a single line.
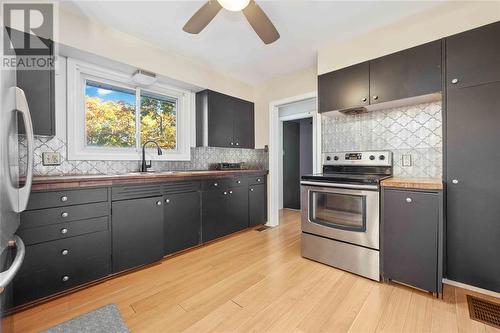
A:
[(275, 188)]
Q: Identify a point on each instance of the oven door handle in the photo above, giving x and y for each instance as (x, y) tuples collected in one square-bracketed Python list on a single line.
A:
[(357, 187)]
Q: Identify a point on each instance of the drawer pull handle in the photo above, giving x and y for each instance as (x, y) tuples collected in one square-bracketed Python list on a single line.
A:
[(258, 179), (64, 231), (65, 252), (216, 184), (454, 81), (251, 190), (158, 203), (167, 200), (225, 193), (64, 214), (239, 181), (408, 200), (230, 192), (65, 278), (64, 198)]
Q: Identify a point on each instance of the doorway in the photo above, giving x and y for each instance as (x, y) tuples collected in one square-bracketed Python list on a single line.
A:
[(297, 158)]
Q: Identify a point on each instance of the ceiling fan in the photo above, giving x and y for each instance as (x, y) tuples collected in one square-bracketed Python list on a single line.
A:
[(252, 11)]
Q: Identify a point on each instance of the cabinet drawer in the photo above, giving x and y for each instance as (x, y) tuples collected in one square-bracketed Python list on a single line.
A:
[(82, 259), (38, 218), (256, 180), (215, 184), (44, 282), (63, 230), (49, 255), (40, 200), (239, 181)]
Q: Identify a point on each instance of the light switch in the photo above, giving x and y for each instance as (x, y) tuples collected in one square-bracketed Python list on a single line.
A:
[(406, 160), (51, 158)]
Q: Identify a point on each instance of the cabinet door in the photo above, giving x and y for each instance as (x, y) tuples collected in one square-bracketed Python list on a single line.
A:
[(257, 205), (472, 57), (182, 221), (409, 73), (243, 124), (237, 209), (410, 238), (137, 230), (345, 88), (220, 120), (473, 163), (38, 86), (214, 214)]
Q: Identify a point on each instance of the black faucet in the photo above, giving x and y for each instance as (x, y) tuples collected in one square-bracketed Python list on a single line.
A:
[(144, 165)]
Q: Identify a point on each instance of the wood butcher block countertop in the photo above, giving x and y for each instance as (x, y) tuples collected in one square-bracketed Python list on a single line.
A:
[(415, 183), (41, 183)]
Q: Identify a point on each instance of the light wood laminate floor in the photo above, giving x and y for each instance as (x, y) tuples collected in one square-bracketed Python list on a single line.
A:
[(257, 281)]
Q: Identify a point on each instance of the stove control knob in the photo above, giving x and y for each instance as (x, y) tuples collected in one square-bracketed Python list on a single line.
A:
[(381, 157), (328, 158), (372, 157), (336, 158)]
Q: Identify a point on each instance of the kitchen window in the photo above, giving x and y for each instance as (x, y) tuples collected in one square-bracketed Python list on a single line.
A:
[(109, 117)]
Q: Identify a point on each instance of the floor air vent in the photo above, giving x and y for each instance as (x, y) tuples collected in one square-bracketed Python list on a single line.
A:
[(262, 228), (484, 311)]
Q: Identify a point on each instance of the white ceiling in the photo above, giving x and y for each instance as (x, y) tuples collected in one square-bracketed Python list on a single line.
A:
[(229, 44)]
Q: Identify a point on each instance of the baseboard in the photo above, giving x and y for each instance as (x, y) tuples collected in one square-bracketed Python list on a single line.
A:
[(472, 288)]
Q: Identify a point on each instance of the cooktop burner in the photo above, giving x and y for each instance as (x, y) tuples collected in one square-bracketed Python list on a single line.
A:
[(368, 167), (346, 178)]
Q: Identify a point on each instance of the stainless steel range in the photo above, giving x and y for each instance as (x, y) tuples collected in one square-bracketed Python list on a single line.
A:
[(341, 209)]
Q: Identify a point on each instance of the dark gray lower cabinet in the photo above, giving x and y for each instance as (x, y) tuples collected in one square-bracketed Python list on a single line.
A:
[(137, 228), (52, 267), (224, 212), (412, 238), (182, 221), (257, 205)]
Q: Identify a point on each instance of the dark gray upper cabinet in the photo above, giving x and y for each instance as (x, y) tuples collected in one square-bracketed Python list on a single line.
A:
[(345, 88), (244, 124), (257, 205), (411, 230), (182, 221), (137, 229), (472, 57), (38, 86), (409, 73), (412, 72), (224, 121), (472, 173)]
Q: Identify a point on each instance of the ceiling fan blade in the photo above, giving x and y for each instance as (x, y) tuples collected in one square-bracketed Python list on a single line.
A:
[(202, 17), (261, 23)]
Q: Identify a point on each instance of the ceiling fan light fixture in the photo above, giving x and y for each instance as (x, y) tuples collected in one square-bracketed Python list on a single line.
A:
[(234, 5)]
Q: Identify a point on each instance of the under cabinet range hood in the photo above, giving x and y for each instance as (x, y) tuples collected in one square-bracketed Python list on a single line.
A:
[(354, 111), (386, 105)]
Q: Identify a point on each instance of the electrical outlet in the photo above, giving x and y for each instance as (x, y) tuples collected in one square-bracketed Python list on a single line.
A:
[(51, 158), (406, 160)]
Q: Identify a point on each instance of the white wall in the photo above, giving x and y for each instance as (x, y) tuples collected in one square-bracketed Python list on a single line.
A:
[(445, 20), (294, 84), (80, 33)]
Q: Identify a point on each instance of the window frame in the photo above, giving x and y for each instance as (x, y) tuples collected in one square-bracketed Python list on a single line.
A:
[(79, 72)]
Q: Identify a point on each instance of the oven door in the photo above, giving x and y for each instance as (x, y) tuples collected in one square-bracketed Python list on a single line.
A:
[(346, 214)]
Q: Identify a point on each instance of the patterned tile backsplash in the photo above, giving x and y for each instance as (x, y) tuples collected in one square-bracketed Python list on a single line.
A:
[(201, 158), (411, 130)]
